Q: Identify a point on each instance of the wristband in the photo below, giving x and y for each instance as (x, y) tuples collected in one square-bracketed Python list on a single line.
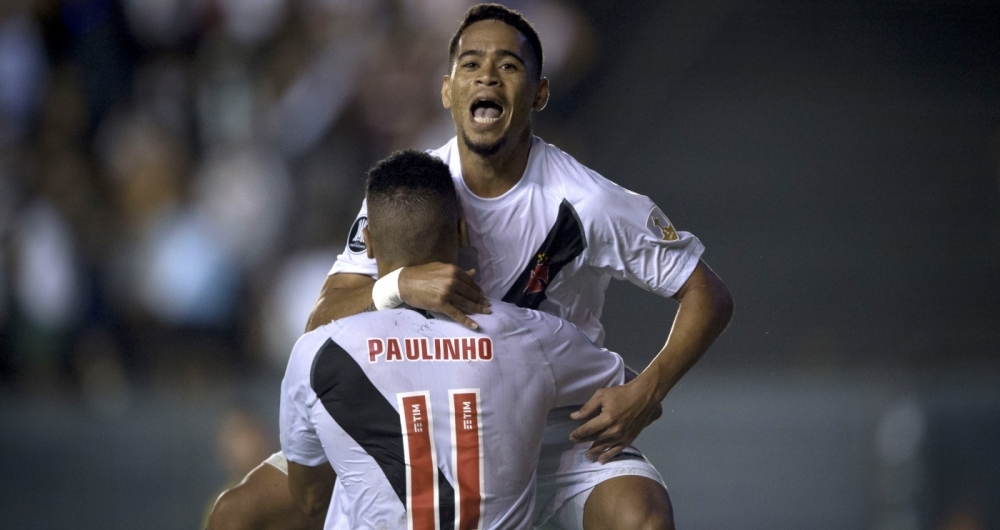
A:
[(385, 293)]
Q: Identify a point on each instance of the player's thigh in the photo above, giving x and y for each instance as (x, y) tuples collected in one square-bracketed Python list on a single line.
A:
[(261, 502), (628, 502)]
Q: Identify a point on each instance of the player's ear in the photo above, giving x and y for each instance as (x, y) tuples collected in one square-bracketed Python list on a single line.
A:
[(368, 242), (463, 233), (541, 95), (446, 92)]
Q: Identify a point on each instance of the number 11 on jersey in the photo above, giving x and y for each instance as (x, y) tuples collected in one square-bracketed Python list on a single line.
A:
[(467, 457), (421, 459)]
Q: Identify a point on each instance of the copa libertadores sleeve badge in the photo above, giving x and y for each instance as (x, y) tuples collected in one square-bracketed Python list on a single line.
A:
[(660, 226), (356, 239)]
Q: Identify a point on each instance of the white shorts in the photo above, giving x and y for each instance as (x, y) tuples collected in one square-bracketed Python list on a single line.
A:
[(279, 461), (566, 477)]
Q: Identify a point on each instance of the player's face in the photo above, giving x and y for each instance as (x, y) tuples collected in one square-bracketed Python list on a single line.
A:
[(493, 87)]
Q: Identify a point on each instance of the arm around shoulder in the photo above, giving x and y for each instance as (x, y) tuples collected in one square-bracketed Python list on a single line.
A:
[(439, 287), (342, 295)]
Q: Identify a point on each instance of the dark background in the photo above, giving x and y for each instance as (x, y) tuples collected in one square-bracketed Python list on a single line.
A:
[(840, 162)]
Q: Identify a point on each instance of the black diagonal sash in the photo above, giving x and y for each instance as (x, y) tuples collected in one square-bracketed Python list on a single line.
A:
[(367, 417), (564, 242)]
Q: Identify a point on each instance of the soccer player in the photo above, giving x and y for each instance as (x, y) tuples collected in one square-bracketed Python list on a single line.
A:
[(426, 424), (548, 233)]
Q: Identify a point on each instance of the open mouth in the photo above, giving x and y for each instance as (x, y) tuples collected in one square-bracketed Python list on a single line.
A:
[(486, 111)]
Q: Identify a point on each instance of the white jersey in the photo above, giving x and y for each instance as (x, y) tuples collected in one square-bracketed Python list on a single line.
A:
[(555, 239), (429, 425)]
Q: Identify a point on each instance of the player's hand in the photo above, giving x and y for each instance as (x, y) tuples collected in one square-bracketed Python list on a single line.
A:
[(443, 288), (614, 418)]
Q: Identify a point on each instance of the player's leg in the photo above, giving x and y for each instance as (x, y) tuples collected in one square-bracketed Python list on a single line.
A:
[(630, 502), (574, 492), (261, 502)]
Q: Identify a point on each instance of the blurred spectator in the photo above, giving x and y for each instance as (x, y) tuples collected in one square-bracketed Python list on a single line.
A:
[(227, 102), (46, 284), (145, 167), (399, 90), (3, 297), (160, 23), (103, 381), (181, 273), (6, 218), (243, 442), (567, 39), (179, 174), (46, 289), (318, 94), (23, 71), (291, 297), (245, 193)]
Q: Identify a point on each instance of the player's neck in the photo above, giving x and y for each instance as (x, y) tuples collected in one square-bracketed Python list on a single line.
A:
[(495, 175)]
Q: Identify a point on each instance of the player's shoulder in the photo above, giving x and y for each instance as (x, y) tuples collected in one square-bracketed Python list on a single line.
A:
[(556, 166), (506, 313), (535, 323), (338, 331), (306, 348), (444, 152), (447, 153), (584, 187)]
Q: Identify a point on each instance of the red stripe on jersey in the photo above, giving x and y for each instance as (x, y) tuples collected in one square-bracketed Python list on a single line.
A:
[(467, 456), (421, 463)]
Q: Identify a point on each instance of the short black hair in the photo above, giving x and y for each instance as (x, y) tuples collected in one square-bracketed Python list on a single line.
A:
[(504, 14), (412, 205)]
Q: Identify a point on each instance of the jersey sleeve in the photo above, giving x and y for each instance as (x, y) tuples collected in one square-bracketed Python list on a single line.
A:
[(354, 259), (299, 440), (579, 368), (632, 239)]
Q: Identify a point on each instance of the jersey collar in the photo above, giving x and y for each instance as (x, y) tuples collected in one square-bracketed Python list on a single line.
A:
[(534, 156)]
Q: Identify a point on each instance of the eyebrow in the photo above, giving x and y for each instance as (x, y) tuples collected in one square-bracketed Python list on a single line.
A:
[(502, 53)]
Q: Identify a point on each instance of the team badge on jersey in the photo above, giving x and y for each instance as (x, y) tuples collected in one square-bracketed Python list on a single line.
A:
[(564, 242), (539, 275), (356, 239), (660, 226)]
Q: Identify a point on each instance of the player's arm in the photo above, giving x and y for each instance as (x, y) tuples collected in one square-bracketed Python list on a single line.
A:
[(438, 287), (311, 486), (342, 295), (310, 474), (617, 415), (630, 376)]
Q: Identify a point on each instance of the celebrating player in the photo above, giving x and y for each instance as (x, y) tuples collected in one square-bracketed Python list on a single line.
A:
[(421, 419), (548, 233)]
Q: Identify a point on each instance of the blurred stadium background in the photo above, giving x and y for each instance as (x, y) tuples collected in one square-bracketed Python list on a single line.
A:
[(176, 177)]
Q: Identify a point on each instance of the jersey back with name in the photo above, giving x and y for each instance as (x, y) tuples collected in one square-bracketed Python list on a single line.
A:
[(429, 425)]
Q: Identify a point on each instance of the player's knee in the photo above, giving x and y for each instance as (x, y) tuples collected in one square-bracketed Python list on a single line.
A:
[(655, 519), (651, 511), (629, 503)]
